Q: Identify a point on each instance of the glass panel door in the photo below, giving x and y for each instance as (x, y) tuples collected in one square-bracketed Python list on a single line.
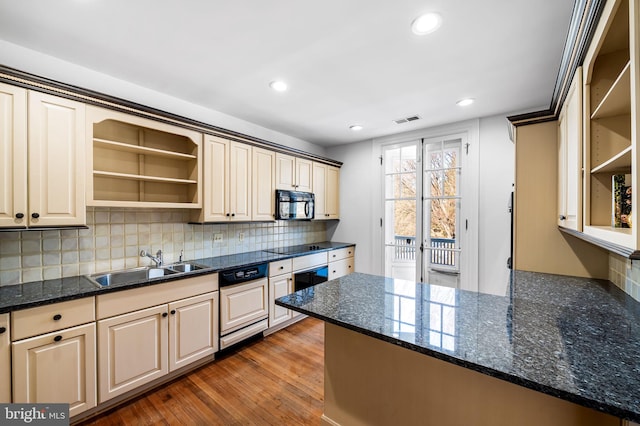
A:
[(442, 172), (402, 192)]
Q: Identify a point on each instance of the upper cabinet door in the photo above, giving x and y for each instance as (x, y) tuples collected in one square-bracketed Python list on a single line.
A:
[(332, 191), (570, 157), (285, 172), (263, 184), (240, 181), (319, 189), (304, 175), (216, 198), (56, 161), (13, 156)]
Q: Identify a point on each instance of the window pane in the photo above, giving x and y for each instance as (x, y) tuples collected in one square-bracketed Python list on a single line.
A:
[(407, 185), (405, 218), (443, 218)]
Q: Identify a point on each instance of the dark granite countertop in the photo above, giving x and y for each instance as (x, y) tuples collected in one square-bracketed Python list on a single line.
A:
[(574, 338), (37, 293)]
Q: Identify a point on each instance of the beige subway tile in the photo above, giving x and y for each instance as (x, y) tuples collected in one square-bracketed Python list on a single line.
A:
[(9, 262), (10, 277), (32, 260), (71, 270), (52, 272), (50, 244), (30, 275)]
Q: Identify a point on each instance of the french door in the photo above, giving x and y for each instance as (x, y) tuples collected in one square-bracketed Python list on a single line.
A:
[(422, 221)]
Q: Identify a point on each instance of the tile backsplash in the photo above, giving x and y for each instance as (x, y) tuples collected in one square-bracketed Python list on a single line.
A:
[(116, 236), (625, 273)]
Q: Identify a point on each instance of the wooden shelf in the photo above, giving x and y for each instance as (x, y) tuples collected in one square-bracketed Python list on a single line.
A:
[(617, 101), (144, 178), (621, 162), (136, 149)]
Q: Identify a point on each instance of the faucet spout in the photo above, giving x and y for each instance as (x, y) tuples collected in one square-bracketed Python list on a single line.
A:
[(157, 259)]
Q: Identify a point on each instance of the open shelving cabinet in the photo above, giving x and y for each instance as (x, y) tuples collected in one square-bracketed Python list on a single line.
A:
[(610, 121), (138, 162)]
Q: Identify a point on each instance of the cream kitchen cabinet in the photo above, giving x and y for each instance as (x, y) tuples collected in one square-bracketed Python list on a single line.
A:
[(58, 366), (280, 284), (326, 187), (611, 117), (193, 329), (293, 173), (264, 185), (147, 332), (42, 167), (227, 181), (138, 162), (5, 360), (341, 262), (570, 157)]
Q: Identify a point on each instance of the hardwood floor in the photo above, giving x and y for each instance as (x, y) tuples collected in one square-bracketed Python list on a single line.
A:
[(278, 380)]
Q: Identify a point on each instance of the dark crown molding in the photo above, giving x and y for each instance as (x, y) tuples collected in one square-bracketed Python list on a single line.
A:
[(584, 19), (41, 84)]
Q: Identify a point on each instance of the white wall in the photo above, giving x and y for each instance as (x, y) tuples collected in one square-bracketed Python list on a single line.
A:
[(40, 64), (360, 202)]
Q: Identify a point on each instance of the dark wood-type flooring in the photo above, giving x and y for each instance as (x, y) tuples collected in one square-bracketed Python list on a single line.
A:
[(277, 380)]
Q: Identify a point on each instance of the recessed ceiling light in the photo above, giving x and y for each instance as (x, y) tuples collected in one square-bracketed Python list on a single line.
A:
[(427, 23), (356, 127), (278, 85), (465, 102)]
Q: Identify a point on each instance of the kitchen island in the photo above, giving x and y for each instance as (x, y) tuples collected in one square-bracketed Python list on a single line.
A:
[(556, 350)]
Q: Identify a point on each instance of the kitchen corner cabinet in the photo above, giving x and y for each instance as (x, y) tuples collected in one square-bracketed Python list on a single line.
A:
[(326, 187), (611, 84), (138, 162), (227, 181), (42, 149), (5, 360), (570, 157), (54, 355), (264, 185), (293, 173)]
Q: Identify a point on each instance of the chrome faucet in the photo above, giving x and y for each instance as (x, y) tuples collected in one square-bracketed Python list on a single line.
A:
[(157, 259)]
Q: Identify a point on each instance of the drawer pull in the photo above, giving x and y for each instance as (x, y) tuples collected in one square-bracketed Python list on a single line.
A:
[(35, 215), (164, 315), (57, 317), (3, 329), (57, 338), (173, 312), (19, 215)]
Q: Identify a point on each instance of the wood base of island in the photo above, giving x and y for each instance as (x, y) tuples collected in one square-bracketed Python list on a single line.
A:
[(373, 382)]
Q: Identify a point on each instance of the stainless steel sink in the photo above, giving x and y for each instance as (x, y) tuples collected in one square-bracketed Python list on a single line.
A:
[(134, 275), (185, 267)]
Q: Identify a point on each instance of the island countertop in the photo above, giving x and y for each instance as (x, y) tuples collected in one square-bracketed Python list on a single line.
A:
[(574, 338)]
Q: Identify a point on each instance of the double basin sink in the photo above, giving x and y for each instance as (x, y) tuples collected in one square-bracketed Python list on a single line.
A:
[(144, 273)]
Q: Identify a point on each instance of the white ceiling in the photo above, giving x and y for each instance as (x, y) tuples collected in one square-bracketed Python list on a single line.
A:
[(346, 61)]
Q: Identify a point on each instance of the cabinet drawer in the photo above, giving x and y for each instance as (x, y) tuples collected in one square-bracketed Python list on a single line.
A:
[(342, 253), (44, 319), (280, 267), (340, 268), (121, 302), (309, 261)]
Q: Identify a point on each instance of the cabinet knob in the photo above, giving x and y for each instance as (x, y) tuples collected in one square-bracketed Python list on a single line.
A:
[(164, 315), (233, 214), (57, 338), (35, 215), (3, 329), (563, 217), (334, 271), (228, 215), (173, 312), (57, 317), (19, 215), (282, 267)]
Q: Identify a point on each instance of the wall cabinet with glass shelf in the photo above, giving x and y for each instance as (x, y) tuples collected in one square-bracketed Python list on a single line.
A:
[(610, 97), (138, 162)]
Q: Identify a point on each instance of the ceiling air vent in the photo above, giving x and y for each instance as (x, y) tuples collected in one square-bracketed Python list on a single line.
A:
[(407, 119)]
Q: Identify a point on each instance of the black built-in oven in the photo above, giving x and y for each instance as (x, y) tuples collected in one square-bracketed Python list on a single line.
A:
[(310, 277)]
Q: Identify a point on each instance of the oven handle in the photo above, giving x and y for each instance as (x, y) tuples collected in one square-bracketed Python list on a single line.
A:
[(306, 209)]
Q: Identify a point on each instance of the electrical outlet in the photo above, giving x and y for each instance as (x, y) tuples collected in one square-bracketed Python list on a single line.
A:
[(241, 236), (217, 237)]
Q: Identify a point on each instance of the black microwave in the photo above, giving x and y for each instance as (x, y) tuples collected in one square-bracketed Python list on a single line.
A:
[(294, 205)]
